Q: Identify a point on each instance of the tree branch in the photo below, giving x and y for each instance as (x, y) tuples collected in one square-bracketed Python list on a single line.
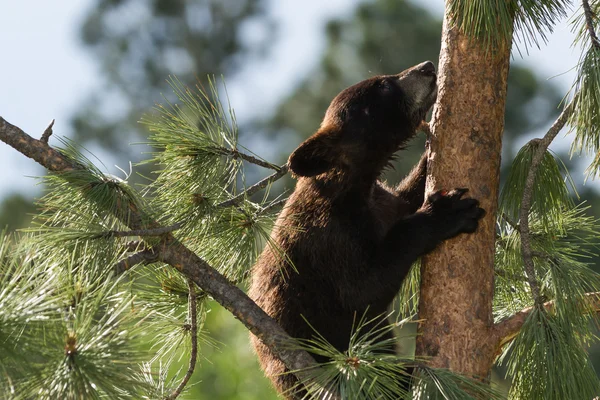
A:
[(180, 257), (247, 157), (528, 198), (36, 149), (238, 303), (589, 22), (273, 205), (193, 328), (145, 232), (281, 172), (506, 330), (144, 256)]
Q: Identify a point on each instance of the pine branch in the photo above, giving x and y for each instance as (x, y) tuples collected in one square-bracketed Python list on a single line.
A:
[(526, 251), (247, 157), (145, 232), (36, 149), (177, 255), (506, 330), (509, 221), (274, 205), (193, 327), (144, 256), (589, 22), (281, 172)]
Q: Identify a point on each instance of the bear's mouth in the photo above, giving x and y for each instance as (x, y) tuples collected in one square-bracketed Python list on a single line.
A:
[(428, 101)]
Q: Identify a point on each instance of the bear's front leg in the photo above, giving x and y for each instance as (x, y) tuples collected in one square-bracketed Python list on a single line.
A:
[(411, 191), (443, 216)]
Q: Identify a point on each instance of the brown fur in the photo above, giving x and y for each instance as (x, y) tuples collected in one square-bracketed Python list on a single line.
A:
[(351, 238)]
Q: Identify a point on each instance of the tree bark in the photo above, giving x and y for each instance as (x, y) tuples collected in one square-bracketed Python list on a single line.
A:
[(457, 279)]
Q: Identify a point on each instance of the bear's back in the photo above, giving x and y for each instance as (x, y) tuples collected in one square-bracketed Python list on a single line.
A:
[(319, 244)]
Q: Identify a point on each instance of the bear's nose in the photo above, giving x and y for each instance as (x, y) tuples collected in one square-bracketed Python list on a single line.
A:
[(426, 67)]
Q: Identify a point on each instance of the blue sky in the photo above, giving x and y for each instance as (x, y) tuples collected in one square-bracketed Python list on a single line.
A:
[(45, 71)]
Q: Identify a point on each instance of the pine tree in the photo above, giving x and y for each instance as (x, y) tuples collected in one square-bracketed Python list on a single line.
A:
[(108, 290)]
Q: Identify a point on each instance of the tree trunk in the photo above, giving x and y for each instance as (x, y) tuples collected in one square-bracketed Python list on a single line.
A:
[(457, 279)]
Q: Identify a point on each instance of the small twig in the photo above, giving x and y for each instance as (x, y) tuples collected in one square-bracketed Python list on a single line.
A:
[(193, 328), (281, 172), (47, 133), (589, 22), (507, 329), (509, 221), (526, 251), (145, 232), (273, 205), (251, 159), (145, 256)]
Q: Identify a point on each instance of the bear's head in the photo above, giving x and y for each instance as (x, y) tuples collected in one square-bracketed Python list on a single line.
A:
[(366, 123)]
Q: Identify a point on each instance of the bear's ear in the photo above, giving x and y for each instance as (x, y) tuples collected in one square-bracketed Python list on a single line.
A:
[(315, 155)]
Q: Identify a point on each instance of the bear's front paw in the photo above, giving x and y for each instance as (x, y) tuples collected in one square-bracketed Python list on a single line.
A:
[(453, 214)]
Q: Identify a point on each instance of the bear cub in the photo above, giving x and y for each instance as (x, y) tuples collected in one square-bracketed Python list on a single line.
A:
[(349, 240)]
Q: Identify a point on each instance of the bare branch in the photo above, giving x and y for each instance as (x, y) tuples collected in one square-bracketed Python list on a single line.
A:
[(180, 257), (542, 146), (281, 172), (47, 133), (145, 256), (506, 330), (36, 149), (589, 22), (193, 328)]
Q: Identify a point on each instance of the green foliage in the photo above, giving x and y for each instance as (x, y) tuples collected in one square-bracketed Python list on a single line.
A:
[(231, 369), (493, 22), (366, 370), (70, 328), (585, 120), (195, 146), (201, 165), (92, 353), (550, 190), (548, 361), (407, 300), (26, 302), (562, 251), (63, 336), (490, 21), (442, 384), (100, 335), (234, 238)]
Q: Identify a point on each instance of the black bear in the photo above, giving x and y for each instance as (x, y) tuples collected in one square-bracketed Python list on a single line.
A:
[(349, 240)]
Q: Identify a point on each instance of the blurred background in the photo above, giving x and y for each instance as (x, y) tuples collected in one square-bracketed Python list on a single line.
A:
[(96, 66)]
